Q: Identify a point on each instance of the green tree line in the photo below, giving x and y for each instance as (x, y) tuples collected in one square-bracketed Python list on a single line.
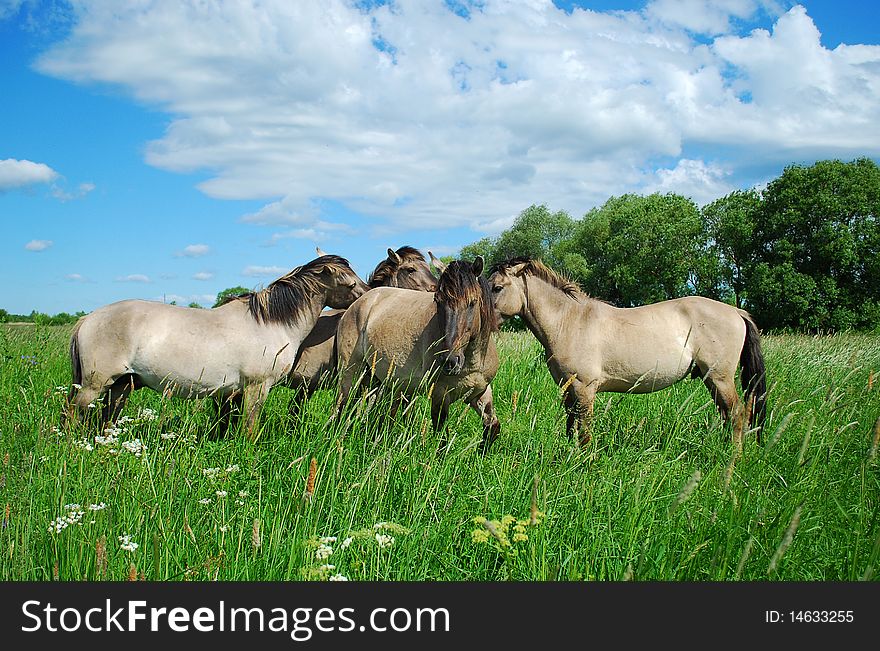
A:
[(39, 318), (803, 253)]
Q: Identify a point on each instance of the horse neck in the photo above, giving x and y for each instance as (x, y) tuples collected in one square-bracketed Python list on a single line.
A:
[(310, 314), (546, 310)]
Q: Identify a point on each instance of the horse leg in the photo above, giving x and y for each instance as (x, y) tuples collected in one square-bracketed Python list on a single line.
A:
[(254, 397), (226, 406), (723, 391), (116, 397), (579, 400), (484, 406), (301, 393)]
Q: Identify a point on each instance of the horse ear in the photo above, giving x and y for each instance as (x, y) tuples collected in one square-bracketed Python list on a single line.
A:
[(439, 265), (392, 255), (478, 265), (321, 253)]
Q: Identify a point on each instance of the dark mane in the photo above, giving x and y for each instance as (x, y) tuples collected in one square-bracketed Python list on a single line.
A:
[(386, 269), (459, 285), (540, 270), (286, 299)]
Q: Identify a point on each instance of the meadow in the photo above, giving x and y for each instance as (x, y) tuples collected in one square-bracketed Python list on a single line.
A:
[(659, 494)]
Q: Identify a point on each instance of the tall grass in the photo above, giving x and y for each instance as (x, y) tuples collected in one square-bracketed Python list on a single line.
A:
[(654, 496)]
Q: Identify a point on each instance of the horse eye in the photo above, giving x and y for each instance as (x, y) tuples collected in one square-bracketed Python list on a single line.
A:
[(497, 288)]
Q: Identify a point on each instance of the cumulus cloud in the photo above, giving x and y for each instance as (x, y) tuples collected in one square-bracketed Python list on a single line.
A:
[(38, 245), (703, 182), (76, 278), (134, 278), (194, 251), (259, 271), (16, 174), (420, 117), (203, 275), (81, 190)]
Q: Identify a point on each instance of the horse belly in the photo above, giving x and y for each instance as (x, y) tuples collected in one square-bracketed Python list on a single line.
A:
[(189, 382), (645, 373)]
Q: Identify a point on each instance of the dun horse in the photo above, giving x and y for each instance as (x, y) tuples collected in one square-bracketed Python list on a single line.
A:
[(591, 346), (405, 268), (417, 340), (235, 352)]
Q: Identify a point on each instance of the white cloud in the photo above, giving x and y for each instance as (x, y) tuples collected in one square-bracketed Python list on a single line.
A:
[(134, 278), (256, 270), (457, 122), (696, 179), (16, 174), (705, 17), (38, 245), (76, 278), (194, 251), (203, 275), (81, 190)]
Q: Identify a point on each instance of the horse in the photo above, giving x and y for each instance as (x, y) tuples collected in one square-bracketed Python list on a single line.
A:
[(235, 352), (416, 340), (314, 363), (591, 346)]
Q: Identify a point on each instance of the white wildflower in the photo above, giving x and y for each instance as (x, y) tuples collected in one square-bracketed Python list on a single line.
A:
[(338, 577), (167, 436), (326, 540), (224, 528), (383, 540), (211, 473), (97, 507), (73, 516), (126, 543), (205, 500), (242, 494), (231, 469), (148, 414), (135, 446), (323, 551), (222, 493), (83, 444)]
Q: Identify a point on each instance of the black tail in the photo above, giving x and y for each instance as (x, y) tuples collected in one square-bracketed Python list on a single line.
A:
[(75, 361), (753, 376), (76, 375)]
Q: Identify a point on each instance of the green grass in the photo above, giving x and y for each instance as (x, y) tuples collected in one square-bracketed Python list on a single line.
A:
[(628, 506)]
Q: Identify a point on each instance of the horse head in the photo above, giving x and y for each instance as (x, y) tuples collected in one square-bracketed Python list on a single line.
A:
[(465, 306), (405, 268), (343, 286)]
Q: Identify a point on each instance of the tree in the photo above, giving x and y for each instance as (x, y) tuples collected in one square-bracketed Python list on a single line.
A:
[(484, 247), (816, 246), (729, 226), (536, 233), (636, 249), (228, 293)]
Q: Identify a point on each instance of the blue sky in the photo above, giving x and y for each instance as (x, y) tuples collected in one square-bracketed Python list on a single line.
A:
[(169, 150)]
